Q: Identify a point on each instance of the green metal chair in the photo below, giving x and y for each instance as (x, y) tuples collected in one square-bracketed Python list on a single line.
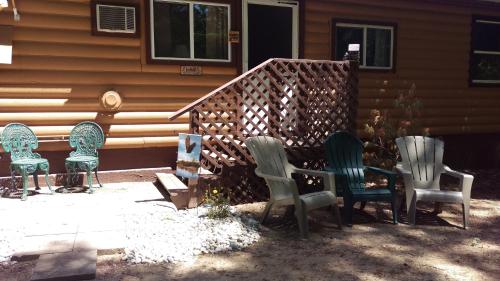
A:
[(86, 137), (273, 166), (20, 140), (344, 153)]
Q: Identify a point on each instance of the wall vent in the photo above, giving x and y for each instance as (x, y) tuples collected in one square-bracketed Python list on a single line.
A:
[(116, 19)]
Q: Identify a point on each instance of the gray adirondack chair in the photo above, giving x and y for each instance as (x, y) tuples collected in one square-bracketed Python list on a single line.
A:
[(273, 166), (421, 168)]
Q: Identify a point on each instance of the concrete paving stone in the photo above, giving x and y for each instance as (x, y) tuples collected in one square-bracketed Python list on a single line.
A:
[(101, 240), (77, 265), (51, 226), (46, 244)]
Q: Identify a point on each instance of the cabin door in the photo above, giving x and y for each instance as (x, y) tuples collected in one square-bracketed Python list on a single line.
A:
[(270, 30)]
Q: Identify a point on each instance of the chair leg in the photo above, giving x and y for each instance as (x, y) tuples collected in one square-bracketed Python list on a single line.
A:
[(336, 210), (47, 181), (267, 209), (413, 210), (13, 179), (97, 178), (89, 181), (362, 205), (465, 214), (24, 175), (35, 179), (301, 215), (394, 208), (438, 207), (68, 176)]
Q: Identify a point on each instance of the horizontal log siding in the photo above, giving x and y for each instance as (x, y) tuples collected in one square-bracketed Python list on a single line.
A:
[(433, 45), (60, 69)]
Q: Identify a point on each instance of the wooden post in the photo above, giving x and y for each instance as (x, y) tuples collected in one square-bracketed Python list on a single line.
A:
[(193, 197)]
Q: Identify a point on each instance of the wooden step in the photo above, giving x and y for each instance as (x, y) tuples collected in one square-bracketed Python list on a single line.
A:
[(178, 191)]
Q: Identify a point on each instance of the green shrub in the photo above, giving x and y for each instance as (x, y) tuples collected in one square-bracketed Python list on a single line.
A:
[(382, 129)]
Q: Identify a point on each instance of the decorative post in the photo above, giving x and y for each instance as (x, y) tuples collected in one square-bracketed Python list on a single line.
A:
[(351, 83)]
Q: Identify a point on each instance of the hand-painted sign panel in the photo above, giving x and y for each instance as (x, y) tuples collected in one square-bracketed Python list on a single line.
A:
[(188, 156)]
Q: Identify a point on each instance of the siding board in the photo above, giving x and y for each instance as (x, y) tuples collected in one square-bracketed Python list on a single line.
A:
[(60, 70), (433, 45)]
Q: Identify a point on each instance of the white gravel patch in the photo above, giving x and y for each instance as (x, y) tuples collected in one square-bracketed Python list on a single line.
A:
[(161, 234)]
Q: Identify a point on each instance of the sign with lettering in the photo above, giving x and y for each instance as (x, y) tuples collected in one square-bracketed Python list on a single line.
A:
[(188, 156), (234, 36), (191, 70)]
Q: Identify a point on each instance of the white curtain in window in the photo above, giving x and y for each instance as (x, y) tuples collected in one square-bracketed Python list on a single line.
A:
[(4, 4)]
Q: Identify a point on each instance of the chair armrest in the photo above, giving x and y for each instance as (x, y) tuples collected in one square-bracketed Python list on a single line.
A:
[(465, 180), (401, 170), (328, 177), (391, 176), (381, 171), (289, 184), (272, 178)]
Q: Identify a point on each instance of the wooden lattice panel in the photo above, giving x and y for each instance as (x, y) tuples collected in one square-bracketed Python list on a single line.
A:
[(300, 102)]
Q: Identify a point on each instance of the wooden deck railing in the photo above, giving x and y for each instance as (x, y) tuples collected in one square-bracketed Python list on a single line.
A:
[(298, 101)]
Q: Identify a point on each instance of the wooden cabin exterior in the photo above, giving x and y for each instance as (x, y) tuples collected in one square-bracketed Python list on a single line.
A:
[(63, 62)]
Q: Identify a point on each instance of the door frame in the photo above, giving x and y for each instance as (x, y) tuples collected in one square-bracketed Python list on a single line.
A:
[(294, 4)]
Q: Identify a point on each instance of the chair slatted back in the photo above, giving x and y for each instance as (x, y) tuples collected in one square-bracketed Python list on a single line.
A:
[(271, 159), (423, 156), (344, 153), (269, 155)]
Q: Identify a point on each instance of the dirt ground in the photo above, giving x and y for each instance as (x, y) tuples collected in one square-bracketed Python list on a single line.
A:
[(373, 249)]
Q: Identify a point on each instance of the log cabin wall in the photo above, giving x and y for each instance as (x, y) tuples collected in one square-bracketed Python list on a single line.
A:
[(432, 51), (60, 69)]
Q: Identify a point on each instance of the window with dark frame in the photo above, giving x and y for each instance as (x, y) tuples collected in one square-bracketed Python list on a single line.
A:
[(190, 30), (485, 52), (115, 18), (376, 43)]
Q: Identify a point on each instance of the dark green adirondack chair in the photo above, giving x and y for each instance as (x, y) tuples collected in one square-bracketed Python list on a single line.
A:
[(20, 140), (344, 155), (86, 137)]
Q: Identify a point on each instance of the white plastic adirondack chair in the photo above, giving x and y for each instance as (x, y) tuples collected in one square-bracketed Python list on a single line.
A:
[(422, 167), (273, 166)]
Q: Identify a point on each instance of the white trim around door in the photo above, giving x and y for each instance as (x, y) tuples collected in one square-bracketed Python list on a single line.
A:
[(294, 5)]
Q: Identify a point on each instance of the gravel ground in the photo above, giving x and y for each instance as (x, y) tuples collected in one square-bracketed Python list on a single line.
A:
[(159, 234)]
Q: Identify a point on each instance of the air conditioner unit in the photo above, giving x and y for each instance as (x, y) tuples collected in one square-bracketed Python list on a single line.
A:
[(115, 19)]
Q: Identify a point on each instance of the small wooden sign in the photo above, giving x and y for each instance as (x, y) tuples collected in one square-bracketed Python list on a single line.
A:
[(188, 156), (234, 37), (191, 70)]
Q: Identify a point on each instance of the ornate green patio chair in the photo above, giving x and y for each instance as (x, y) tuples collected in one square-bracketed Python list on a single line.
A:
[(20, 140), (344, 155), (86, 137), (273, 166)]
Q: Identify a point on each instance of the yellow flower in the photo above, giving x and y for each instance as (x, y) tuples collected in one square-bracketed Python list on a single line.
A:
[(214, 191)]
